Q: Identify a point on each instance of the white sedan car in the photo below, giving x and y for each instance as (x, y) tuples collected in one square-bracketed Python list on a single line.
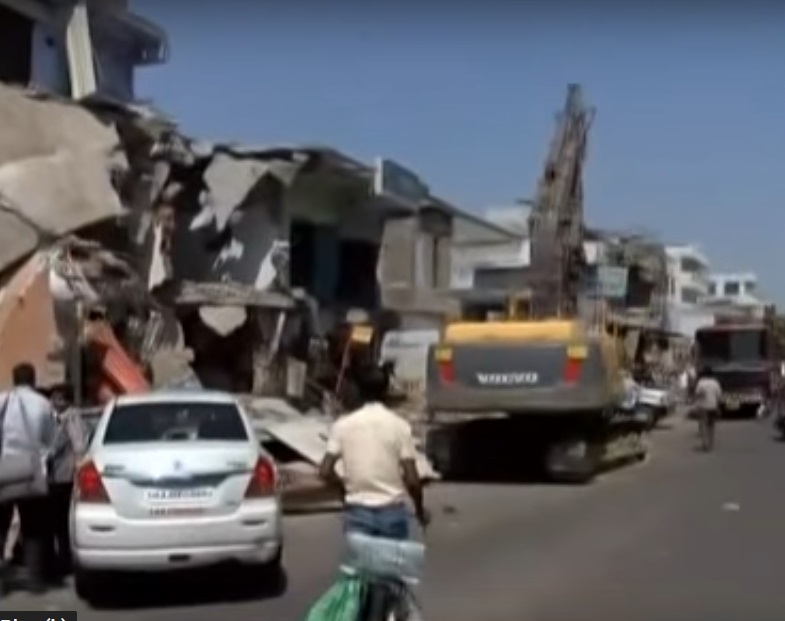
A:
[(174, 480)]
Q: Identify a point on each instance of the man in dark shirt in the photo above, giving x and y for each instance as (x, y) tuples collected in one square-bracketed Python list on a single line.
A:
[(70, 443)]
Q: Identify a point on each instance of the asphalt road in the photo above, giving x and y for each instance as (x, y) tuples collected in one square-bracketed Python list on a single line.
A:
[(682, 536)]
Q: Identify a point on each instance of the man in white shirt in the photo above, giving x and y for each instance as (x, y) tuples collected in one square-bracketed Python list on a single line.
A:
[(708, 396), (27, 425), (376, 448)]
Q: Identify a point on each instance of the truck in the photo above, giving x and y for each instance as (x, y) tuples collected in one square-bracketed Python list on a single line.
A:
[(540, 385), (744, 354)]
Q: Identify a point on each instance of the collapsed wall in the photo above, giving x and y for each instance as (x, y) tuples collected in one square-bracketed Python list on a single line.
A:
[(57, 161)]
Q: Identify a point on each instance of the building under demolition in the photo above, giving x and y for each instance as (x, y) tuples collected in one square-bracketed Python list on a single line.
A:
[(308, 224)]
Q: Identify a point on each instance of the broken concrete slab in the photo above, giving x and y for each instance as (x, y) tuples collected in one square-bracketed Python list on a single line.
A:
[(56, 167), (223, 319), (230, 180), (305, 433)]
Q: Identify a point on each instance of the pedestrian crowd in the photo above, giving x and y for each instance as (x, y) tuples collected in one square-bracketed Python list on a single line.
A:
[(42, 438)]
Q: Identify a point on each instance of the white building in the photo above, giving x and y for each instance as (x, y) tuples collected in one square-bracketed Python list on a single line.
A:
[(480, 244), (740, 287), (735, 291), (77, 48), (688, 275), (697, 295), (491, 250)]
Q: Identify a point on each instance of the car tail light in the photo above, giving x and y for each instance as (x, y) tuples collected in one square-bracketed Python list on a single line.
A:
[(443, 357), (574, 364), (89, 485), (262, 483)]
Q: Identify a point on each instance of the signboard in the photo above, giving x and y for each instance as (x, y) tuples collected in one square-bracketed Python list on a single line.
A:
[(399, 184), (611, 282)]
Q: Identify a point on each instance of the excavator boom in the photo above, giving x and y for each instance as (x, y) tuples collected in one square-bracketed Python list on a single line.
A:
[(556, 224)]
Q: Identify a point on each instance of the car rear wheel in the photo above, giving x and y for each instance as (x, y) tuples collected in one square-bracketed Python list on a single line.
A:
[(270, 576), (90, 586)]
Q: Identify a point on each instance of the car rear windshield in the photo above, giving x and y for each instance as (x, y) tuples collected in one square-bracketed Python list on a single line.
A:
[(175, 422)]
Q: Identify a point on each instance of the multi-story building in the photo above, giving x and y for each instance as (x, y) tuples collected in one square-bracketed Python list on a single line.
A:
[(735, 290), (741, 287), (688, 286), (77, 48), (688, 275), (697, 295)]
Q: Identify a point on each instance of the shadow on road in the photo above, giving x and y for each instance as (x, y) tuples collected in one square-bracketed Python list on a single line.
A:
[(187, 588)]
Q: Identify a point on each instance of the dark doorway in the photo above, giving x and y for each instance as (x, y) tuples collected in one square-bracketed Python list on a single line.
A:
[(302, 255), (16, 47), (357, 284)]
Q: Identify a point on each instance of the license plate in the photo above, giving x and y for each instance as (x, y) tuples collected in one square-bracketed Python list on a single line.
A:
[(198, 494), (176, 511)]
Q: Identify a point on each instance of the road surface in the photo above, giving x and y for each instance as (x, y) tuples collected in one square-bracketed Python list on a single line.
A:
[(683, 536)]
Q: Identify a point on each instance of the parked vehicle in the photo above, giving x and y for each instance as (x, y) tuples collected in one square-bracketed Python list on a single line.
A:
[(174, 480), (745, 356), (655, 402)]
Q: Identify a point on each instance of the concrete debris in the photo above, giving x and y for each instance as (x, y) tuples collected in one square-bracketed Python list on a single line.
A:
[(66, 166), (228, 295), (171, 368), (223, 319), (230, 180), (57, 162)]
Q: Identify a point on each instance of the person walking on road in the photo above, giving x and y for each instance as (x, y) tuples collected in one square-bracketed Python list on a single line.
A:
[(377, 449), (27, 426), (70, 443), (708, 395)]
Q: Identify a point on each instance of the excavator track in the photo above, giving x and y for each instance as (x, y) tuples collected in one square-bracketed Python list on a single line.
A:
[(619, 440), (535, 447)]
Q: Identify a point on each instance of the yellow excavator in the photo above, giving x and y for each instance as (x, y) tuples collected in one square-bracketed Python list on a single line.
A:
[(550, 381)]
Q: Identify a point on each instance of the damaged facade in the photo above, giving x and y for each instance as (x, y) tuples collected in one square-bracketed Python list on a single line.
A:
[(306, 233), (133, 256), (141, 258)]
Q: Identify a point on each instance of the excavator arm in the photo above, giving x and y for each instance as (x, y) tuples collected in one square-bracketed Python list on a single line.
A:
[(556, 223)]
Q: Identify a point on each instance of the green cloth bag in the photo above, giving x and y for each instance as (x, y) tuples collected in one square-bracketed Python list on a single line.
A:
[(341, 602)]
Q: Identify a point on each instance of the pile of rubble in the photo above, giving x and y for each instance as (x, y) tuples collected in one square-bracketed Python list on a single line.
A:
[(133, 257)]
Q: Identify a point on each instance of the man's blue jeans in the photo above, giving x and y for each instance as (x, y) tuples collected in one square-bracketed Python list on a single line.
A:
[(388, 521)]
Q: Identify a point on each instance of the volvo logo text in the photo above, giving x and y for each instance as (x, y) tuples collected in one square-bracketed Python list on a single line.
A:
[(523, 378)]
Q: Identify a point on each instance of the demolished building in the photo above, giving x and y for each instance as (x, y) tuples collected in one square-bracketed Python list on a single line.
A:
[(165, 261), (185, 214), (132, 256)]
